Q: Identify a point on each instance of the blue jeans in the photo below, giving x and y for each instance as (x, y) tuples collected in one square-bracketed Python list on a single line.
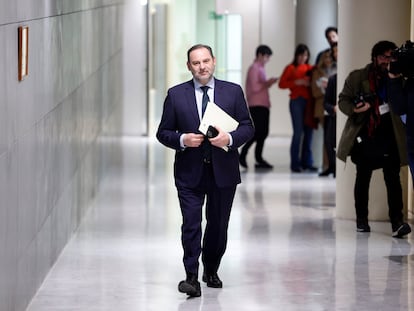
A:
[(300, 148)]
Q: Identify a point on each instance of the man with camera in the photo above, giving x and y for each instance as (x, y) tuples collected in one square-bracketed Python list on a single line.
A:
[(401, 92), (374, 137)]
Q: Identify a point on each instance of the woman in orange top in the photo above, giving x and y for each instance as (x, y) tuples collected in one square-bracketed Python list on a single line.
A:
[(296, 78)]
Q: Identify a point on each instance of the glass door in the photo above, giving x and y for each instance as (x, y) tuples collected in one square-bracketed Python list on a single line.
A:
[(229, 47)]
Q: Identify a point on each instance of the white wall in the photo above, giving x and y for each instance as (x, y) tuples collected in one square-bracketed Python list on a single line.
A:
[(278, 31), (312, 18), (134, 115), (271, 23), (52, 143)]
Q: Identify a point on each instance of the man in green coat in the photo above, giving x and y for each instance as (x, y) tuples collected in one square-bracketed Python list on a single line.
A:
[(374, 137)]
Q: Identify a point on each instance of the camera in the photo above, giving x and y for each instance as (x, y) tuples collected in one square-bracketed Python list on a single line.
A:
[(404, 60), (211, 132), (369, 98)]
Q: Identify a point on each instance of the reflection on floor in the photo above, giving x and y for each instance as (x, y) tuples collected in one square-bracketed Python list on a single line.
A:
[(286, 250)]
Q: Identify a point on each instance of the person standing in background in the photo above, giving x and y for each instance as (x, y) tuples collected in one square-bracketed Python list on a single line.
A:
[(374, 137), (401, 92), (296, 78), (203, 170), (331, 35), (329, 126), (258, 100), (319, 81)]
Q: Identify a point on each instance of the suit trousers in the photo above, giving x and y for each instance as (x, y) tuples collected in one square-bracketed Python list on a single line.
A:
[(217, 212)]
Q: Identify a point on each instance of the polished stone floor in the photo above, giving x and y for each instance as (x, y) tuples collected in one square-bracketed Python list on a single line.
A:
[(286, 250)]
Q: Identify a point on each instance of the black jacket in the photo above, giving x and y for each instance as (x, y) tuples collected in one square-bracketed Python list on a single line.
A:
[(401, 96)]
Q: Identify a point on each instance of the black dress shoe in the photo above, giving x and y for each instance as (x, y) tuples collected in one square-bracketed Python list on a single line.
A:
[(212, 280), (326, 172), (190, 286), (263, 164)]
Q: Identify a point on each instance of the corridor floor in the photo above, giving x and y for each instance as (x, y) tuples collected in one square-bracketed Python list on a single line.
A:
[(286, 249)]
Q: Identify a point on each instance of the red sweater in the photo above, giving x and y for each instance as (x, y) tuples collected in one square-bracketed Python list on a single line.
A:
[(292, 73)]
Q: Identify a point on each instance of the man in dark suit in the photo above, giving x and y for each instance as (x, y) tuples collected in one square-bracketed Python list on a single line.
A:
[(203, 169)]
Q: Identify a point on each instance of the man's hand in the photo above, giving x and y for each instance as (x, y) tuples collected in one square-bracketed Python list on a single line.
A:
[(221, 140), (193, 140), (362, 107)]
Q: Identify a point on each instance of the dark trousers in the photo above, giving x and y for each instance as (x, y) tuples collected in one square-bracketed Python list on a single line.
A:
[(329, 139), (218, 207), (391, 171), (260, 117)]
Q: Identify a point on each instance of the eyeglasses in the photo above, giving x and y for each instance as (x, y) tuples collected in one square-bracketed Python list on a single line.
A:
[(385, 57)]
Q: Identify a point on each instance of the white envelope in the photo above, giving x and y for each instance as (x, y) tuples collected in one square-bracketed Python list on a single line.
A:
[(216, 116)]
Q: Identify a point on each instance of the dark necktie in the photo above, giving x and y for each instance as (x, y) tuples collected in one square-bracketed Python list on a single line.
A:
[(205, 100), (206, 144)]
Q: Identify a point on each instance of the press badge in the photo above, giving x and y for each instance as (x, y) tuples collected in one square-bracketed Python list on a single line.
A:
[(384, 108)]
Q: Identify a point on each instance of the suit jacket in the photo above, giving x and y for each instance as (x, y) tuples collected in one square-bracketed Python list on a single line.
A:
[(180, 116), (401, 93)]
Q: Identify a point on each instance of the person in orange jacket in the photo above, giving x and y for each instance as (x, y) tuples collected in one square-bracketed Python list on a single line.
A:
[(296, 78)]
